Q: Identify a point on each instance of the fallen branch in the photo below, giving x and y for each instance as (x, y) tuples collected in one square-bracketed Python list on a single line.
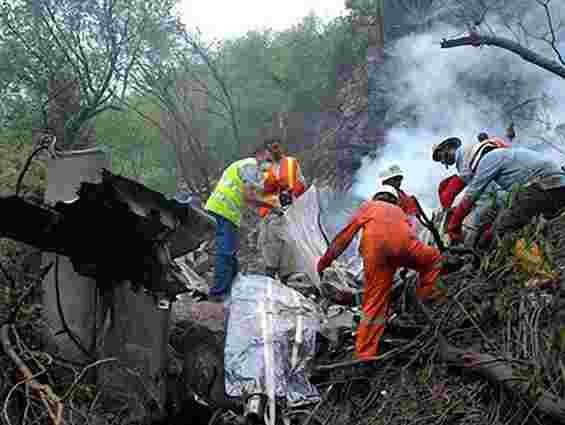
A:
[(498, 371), (43, 392), (475, 39), (27, 292)]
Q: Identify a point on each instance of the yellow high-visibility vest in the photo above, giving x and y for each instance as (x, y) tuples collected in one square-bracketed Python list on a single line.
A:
[(228, 197)]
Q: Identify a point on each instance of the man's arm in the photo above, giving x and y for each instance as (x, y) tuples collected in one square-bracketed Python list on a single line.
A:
[(448, 190), (254, 183), (252, 199), (342, 241), (487, 171)]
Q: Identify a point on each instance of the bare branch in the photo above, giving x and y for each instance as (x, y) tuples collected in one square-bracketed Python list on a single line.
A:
[(219, 80), (553, 40), (475, 39)]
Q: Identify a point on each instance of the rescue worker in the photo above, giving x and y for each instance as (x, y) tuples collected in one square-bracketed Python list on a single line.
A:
[(537, 185), (387, 244), (450, 152), (240, 185), (509, 135), (283, 181), (391, 175), (481, 137)]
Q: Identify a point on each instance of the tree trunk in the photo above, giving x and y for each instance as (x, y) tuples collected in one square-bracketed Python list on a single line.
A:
[(64, 103), (499, 371)]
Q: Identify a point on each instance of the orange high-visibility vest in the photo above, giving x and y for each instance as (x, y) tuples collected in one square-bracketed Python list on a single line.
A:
[(283, 176)]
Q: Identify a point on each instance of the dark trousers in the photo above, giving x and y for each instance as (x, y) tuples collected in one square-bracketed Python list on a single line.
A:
[(226, 265)]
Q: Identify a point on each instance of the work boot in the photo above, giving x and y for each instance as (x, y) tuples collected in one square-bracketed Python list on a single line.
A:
[(217, 298)]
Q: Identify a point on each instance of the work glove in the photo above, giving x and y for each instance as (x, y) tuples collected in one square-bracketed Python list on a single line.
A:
[(451, 262), (337, 295), (285, 198), (454, 228), (510, 133), (455, 233), (323, 263)]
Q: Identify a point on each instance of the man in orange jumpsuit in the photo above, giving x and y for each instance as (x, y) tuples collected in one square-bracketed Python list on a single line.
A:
[(387, 244)]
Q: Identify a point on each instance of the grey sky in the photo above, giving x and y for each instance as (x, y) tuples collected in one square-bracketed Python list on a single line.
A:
[(228, 18)]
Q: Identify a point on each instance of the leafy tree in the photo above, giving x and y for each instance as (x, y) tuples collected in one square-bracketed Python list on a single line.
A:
[(94, 46)]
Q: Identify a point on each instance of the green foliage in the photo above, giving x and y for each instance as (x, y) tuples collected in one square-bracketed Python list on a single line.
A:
[(376, 420), (366, 7), (12, 160), (295, 70), (449, 408), (408, 408), (26, 312), (78, 392), (473, 310), (503, 303), (97, 45), (137, 149), (8, 248), (533, 377), (424, 375), (42, 358), (556, 342), (8, 296)]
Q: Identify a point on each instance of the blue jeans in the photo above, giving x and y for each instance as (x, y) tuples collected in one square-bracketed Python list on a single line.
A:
[(227, 265)]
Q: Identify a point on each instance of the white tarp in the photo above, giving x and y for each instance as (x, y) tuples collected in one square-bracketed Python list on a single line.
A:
[(303, 235)]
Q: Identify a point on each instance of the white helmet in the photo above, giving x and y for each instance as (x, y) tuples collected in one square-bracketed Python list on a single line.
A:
[(389, 171), (387, 189)]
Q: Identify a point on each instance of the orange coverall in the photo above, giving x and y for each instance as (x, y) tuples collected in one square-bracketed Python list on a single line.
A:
[(387, 244)]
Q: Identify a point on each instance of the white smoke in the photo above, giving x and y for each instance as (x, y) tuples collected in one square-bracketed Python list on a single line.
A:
[(438, 93), (411, 150)]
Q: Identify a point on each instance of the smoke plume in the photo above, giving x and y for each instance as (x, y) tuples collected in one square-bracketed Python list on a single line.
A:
[(436, 93)]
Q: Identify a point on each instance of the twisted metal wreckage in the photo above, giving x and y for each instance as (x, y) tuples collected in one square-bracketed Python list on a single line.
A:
[(113, 231), (142, 232), (278, 340)]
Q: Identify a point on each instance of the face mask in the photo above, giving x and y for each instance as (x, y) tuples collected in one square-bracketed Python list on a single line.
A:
[(265, 165), (444, 159)]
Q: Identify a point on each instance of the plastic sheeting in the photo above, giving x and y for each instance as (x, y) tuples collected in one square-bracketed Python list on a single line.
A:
[(303, 235), (271, 337)]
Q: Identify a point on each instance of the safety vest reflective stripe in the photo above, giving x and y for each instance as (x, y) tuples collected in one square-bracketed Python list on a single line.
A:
[(290, 163), (375, 321)]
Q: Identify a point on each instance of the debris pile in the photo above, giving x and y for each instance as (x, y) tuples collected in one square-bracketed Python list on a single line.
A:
[(492, 354)]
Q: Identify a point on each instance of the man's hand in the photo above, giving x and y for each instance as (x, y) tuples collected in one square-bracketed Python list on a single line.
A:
[(451, 262), (278, 211), (337, 295), (320, 267), (455, 236), (345, 298)]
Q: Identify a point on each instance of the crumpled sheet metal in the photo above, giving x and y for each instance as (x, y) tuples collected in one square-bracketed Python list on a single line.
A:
[(195, 281), (261, 352)]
